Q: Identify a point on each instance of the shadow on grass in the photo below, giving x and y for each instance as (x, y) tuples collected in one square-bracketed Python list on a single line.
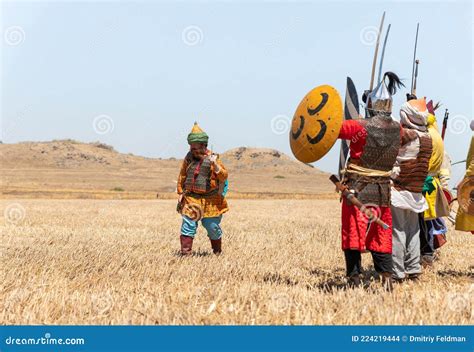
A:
[(279, 280), (339, 282), (456, 273), (198, 253), (334, 280)]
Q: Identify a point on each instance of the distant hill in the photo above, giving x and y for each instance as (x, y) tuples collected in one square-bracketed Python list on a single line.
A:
[(259, 159), (67, 168)]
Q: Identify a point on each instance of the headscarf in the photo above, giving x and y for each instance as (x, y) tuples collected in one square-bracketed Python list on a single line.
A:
[(414, 115)]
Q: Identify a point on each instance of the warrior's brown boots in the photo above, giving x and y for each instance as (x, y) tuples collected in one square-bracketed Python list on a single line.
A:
[(186, 245), (354, 281), (217, 246)]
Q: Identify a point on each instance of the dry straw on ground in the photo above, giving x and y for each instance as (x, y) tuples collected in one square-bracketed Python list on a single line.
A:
[(116, 262)]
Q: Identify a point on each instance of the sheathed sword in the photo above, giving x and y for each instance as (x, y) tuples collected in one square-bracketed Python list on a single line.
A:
[(353, 199)]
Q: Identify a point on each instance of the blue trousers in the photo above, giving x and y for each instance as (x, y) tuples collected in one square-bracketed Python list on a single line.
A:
[(214, 231)]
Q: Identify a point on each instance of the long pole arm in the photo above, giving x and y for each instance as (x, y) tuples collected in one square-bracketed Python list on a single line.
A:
[(382, 55), (374, 62), (414, 59)]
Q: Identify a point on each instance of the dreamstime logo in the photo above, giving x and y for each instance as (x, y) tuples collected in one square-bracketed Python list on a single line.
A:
[(102, 302), (357, 137), (460, 302), (103, 124), (280, 124), (371, 211), (14, 213), (15, 297), (192, 35), (193, 211), (459, 124), (280, 302), (368, 35), (14, 35)]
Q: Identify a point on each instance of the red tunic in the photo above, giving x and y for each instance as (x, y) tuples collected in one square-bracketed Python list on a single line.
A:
[(356, 233)]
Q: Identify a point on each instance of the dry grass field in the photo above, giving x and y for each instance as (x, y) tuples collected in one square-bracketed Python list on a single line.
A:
[(117, 262)]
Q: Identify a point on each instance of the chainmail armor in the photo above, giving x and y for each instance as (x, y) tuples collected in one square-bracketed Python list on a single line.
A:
[(201, 182), (380, 153)]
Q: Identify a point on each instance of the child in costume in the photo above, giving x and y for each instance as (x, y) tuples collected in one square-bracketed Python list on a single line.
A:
[(200, 187)]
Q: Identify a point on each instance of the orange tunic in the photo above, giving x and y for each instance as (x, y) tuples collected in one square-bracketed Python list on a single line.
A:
[(213, 205)]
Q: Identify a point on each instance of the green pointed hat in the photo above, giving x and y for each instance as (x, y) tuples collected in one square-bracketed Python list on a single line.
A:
[(197, 135)]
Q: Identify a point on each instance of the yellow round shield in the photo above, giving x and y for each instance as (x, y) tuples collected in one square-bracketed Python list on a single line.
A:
[(316, 124)]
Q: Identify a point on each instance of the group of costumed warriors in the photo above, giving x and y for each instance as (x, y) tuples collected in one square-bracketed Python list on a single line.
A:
[(394, 181), (393, 185)]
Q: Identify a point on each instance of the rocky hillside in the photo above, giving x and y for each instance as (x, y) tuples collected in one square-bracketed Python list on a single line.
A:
[(69, 168), (259, 159)]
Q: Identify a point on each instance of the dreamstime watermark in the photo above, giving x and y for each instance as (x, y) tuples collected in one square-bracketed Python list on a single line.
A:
[(357, 136), (459, 302), (102, 302), (47, 339), (193, 211), (368, 35), (14, 213), (280, 124), (280, 302), (15, 297), (459, 124), (14, 35), (371, 211), (192, 35), (103, 124)]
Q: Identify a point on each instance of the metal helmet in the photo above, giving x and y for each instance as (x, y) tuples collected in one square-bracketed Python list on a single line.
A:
[(379, 100)]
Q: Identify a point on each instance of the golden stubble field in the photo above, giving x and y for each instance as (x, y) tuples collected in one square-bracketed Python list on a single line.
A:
[(117, 262)]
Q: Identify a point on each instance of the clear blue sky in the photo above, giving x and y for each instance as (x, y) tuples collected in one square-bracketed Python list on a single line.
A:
[(73, 61)]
